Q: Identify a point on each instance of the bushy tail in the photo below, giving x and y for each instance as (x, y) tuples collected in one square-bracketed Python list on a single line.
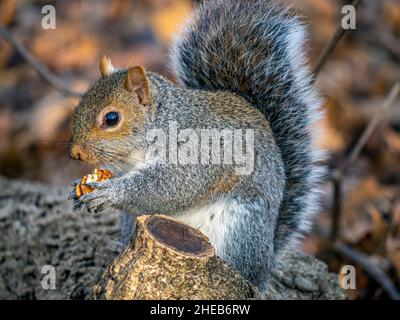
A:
[(255, 48)]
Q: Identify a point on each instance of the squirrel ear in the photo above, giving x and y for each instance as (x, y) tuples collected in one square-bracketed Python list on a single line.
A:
[(136, 81), (106, 67)]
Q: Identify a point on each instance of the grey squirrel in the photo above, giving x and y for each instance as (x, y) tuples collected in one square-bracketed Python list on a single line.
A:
[(240, 65)]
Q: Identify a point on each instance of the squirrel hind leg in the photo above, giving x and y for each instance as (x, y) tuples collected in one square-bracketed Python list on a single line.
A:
[(249, 240)]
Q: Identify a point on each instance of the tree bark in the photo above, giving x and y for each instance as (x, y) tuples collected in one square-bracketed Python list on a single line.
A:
[(38, 227)]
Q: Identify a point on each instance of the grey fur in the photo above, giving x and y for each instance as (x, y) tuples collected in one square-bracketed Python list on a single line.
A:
[(255, 48), (251, 207), (234, 62)]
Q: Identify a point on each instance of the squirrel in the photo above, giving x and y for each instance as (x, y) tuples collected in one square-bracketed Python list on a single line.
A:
[(240, 65)]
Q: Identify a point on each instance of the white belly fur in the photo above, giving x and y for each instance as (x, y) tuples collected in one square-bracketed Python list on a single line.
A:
[(214, 228)]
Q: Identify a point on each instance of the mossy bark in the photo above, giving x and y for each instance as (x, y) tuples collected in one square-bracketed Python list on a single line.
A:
[(170, 260)]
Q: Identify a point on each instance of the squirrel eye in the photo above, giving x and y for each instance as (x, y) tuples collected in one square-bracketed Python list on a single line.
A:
[(110, 119)]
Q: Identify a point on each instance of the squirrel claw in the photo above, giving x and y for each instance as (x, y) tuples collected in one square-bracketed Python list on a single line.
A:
[(78, 205), (76, 182), (72, 195), (99, 208), (93, 202)]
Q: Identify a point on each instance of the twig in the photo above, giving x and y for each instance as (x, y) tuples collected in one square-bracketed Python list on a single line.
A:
[(337, 176), (373, 271), (336, 206), (331, 45), (362, 260), (394, 92), (41, 69)]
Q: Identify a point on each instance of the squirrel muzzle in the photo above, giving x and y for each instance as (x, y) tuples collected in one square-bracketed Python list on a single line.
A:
[(78, 153)]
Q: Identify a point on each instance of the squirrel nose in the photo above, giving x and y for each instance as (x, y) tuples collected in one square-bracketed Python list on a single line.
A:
[(77, 153)]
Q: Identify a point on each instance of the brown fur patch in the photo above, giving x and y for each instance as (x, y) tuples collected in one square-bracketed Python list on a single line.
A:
[(223, 185)]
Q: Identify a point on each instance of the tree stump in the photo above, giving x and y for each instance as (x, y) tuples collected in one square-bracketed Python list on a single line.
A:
[(170, 260)]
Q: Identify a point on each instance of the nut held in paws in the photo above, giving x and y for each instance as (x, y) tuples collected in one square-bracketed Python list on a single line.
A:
[(96, 176)]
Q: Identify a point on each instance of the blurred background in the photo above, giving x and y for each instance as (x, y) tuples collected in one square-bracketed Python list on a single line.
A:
[(361, 206)]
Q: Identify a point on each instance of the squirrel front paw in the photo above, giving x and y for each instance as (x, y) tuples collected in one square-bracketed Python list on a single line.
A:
[(97, 200)]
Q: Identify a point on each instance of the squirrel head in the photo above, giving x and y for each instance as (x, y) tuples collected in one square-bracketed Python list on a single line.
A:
[(110, 113)]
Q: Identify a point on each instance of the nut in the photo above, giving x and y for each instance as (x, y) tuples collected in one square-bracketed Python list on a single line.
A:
[(98, 175)]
